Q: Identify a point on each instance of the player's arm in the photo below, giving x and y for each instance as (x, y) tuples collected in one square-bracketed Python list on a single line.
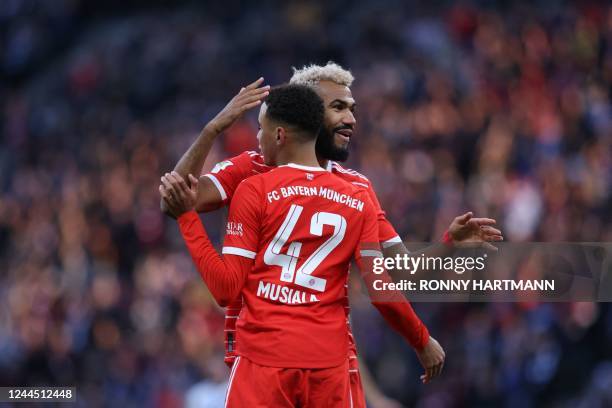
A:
[(397, 311), (463, 230), (209, 198), (431, 355), (224, 275), (393, 306)]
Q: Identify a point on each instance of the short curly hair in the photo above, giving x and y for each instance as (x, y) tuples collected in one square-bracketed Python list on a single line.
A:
[(312, 74), (296, 105)]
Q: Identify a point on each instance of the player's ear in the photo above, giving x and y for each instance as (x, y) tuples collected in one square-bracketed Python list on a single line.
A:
[(281, 135)]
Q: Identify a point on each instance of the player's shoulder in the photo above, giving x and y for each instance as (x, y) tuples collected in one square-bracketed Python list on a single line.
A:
[(268, 179), (351, 183), (256, 181), (248, 157), (246, 160), (253, 156), (349, 175)]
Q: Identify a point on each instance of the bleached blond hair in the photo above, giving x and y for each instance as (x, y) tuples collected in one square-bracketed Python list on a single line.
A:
[(311, 75)]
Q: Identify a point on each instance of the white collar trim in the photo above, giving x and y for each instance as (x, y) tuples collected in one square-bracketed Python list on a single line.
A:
[(305, 168)]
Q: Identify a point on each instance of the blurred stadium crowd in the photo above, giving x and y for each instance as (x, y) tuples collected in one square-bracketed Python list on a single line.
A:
[(500, 108)]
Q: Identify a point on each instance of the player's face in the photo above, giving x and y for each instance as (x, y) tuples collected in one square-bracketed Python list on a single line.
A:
[(266, 137), (335, 136)]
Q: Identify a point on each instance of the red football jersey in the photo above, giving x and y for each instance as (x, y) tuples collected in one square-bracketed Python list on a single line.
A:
[(302, 226), (228, 174)]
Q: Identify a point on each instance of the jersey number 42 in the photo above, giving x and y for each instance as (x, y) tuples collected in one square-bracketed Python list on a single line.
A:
[(288, 262)]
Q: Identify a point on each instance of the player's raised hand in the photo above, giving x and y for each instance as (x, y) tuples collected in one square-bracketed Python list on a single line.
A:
[(179, 197), (432, 359), (249, 97), (466, 230)]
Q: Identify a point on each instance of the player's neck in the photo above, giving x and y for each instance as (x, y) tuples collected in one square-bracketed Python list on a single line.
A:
[(303, 155), (323, 162)]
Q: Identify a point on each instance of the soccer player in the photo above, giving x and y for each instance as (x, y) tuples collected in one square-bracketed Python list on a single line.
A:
[(289, 242), (217, 188)]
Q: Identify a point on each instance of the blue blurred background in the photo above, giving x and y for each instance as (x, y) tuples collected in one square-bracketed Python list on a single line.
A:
[(501, 108)]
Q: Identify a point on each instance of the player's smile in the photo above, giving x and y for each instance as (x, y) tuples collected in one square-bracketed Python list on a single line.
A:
[(343, 135)]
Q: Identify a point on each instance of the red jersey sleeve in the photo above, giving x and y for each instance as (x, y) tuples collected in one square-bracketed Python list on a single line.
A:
[(225, 276), (392, 305), (386, 233), (369, 240), (244, 221), (227, 175)]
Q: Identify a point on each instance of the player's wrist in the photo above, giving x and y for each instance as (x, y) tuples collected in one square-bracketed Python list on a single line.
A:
[(187, 215), (447, 239), (424, 339)]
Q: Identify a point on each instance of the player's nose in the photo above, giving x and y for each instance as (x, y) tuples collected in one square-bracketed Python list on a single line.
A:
[(349, 119)]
